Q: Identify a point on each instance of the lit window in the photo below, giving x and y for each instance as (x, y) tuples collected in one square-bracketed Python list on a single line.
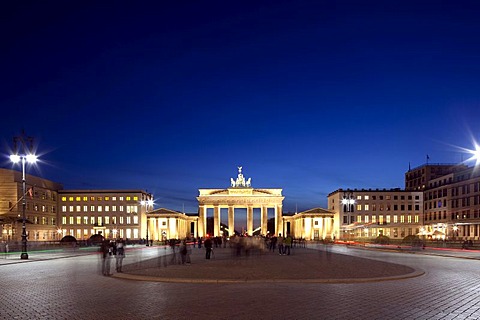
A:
[(70, 220), (359, 197), (64, 199), (92, 208), (77, 199), (121, 208), (402, 219), (92, 198), (129, 221), (395, 219), (359, 218), (374, 219), (64, 208), (114, 198), (107, 208), (388, 219), (71, 208), (135, 220), (121, 198), (114, 208), (92, 220), (359, 207), (409, 219), (135, 198), (367, 207), (85, 208), (107, 220), (107, 198), (99, 198), (70, 199), (366, 219), (128, 198), (416, 219), (79, 208), (64, 220), (121, 220), (99, 220), (367, 197), (85, 198), (99, 208), (79, 220), (85, 220)]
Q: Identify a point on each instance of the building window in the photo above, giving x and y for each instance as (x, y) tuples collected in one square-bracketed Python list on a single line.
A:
[(64, 220), (79, 209), (99, 208), (409, 219), (374, 219), (71, 209), (402, 219), (359, 197), (366, 219), (128, 198), (70, 198), (121, 220), (107, 198), (135, 198), (129, 220), (359, 218), (135, 220), (107, 220), (359, 207), (64, 208), (70, 220), (114, 198), (114, 208), (92, 220), (395, 219), (85, 198), (388, 219), (367, 207), (85, 220), (99, 198), (79, 220), (367, 197), (64, 199), (77, 198), (85, 208), (92, 208), (120, 198)]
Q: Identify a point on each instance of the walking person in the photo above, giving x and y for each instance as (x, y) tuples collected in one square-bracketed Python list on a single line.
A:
[(106, 252), (287, 244), (208, 248), (120, 254), (280, 244)]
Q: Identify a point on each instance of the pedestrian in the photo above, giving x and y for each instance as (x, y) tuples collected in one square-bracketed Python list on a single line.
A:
[(280, 244), (208, 248), (106, 252), (273, 243), (200, 242), (6, 250), (120, 254), (183, 251), (287, 244)]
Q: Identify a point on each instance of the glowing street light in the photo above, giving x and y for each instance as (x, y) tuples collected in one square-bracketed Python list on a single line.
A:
[(148, 204), (26, 156)]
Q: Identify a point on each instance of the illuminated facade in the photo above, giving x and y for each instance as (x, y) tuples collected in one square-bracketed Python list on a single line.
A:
[(452, 204), (240, 194), (111, 213), (41, 207), (313, 224), (370, 213)]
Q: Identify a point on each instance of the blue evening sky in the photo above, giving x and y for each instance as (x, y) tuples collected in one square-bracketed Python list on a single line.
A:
[(308, 96)]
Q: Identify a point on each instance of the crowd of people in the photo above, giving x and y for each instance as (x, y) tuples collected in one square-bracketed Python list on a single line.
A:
[(110, 249)]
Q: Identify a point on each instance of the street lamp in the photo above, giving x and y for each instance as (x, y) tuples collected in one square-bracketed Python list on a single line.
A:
[(148, 204), (23, 158), (348, 203)]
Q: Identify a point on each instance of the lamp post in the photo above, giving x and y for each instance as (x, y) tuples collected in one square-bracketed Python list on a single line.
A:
[(348, 202), (25, 157), (148, 204)]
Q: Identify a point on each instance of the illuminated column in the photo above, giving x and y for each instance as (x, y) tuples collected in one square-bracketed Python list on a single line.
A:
[(231, 221), (202, 220), (278, 220), (216, 221), (264, 220), (250, 220), (172, 223)]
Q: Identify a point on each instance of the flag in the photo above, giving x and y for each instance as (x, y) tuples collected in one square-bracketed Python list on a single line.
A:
[(30, 192)]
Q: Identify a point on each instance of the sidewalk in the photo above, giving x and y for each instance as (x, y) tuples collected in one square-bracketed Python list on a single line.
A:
[(14, 257)]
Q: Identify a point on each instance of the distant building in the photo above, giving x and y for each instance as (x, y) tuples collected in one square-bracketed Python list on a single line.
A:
[(394, 213), (40, 211), (110, 213)]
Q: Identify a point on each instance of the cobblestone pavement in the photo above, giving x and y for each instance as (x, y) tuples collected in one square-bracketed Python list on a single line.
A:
[(72, 288)]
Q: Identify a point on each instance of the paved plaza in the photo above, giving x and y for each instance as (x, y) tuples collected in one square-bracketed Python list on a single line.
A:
[(369, 284)]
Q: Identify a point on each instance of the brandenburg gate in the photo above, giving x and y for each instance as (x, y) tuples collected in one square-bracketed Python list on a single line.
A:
[(240, 194)]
